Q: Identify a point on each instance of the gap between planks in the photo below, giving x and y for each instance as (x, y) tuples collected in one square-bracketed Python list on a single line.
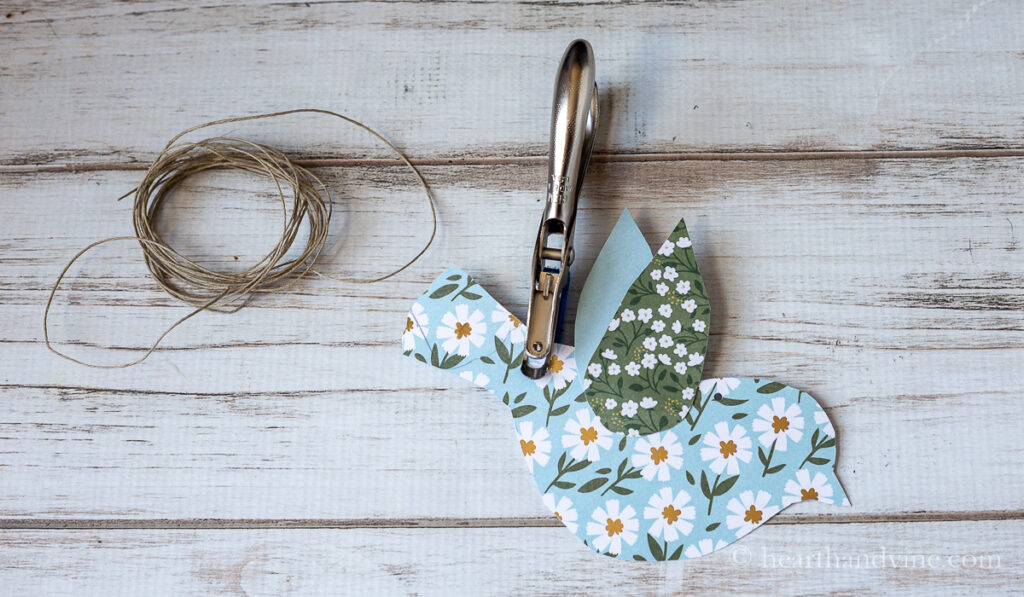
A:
[(87, 524), (611, 157)]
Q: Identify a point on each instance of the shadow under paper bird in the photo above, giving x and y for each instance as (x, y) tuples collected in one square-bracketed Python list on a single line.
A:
[(638, 457)]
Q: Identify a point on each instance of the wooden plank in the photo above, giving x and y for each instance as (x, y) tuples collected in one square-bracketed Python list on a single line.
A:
[(890, 289), (474, 79), (909, 559)]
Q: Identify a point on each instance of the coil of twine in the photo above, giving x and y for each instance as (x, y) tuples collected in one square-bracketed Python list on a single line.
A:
[(206, 289)]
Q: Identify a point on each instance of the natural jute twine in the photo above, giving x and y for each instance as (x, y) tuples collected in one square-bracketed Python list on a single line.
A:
[(227, 292)]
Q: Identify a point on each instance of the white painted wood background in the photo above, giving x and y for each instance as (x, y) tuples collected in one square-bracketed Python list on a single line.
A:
[(850, 173)]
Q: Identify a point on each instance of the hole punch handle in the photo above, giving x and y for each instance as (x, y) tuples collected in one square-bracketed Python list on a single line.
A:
[(573, 129)]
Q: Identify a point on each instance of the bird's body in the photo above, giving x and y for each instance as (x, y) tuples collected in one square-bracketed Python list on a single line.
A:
[(738, 453)]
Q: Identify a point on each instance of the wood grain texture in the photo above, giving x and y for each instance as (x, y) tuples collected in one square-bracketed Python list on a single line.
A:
[(818, 151), (91, 81), (950, 558), (889, 289)]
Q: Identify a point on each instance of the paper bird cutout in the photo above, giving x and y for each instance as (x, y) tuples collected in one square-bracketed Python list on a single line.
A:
[(744, 449)]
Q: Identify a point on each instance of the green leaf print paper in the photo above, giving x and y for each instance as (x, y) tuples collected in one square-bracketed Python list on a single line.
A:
[(645, 372), (745, 448)]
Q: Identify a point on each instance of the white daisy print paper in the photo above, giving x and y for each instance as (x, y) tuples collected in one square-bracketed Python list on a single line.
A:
[(462, 329), (613, 525), (672, 514), (657, 455), (734, 452)]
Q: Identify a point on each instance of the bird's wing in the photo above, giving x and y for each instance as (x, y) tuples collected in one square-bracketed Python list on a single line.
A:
[(645, 371)]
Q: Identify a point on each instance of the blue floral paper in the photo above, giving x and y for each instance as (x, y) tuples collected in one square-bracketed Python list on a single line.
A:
[(745, 448)]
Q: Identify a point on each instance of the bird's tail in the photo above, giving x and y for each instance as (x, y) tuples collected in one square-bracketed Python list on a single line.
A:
[(839, 496)]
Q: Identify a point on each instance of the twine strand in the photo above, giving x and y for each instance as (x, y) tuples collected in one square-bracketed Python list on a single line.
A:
[(207, 289)]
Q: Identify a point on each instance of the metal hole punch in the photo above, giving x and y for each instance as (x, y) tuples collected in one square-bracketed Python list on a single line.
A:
[(573, 128)]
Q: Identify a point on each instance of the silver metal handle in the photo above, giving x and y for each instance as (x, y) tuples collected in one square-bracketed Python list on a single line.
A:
[(573, 128)]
